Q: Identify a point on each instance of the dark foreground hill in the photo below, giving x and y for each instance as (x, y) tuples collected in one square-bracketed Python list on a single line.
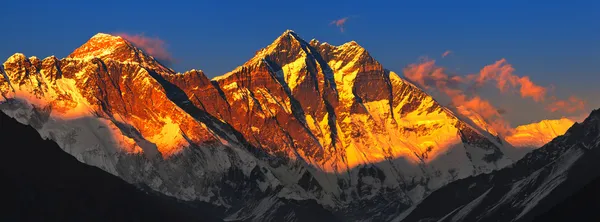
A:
[(40, 182)]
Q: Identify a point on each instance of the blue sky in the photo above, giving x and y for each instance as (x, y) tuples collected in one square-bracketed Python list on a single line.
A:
[(554, 42)]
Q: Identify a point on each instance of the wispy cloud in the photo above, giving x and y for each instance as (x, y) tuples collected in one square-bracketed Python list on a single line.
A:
[(340, 23), (503, 74), (429, 76), (571, 105), (154, 46), (446, 53)]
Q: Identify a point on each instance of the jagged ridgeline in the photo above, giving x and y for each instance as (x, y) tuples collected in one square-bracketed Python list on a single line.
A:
[(299, 124)]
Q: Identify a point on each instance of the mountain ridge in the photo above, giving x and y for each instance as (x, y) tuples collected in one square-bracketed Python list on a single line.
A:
[(300, 120), (527, 188)]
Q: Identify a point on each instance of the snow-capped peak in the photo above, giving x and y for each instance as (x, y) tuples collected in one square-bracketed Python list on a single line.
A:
[(537, 134), (103, 45), (17, 57), (104, 35), (351, 43), (116, 48), (287, 37), (288, 32)]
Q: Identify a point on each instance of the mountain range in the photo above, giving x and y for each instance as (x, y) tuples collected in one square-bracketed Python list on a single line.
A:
[(300, 127)]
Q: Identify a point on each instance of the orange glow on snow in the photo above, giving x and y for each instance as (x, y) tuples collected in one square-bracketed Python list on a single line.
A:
[(538, 134), (370, 131)]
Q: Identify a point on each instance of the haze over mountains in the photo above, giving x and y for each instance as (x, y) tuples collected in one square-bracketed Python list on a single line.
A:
[(300, 124)]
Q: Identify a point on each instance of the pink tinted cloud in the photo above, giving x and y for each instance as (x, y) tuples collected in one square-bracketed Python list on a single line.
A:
[(154, 46), (503, 74), (530, 89), (427, 75), (340, 23), (446, 53), (571, 105)]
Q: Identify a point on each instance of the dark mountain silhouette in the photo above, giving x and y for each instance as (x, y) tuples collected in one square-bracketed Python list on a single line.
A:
[(40, 182), (583, 204)]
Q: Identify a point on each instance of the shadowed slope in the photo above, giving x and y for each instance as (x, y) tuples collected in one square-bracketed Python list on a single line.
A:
[(521, 191), (43, 183), (582, 205)]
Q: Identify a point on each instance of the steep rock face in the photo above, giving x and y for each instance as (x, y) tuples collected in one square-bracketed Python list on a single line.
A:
[(202, 93), (338, 108), (122, 92), (301, 122), (525, 189), (116, 113)]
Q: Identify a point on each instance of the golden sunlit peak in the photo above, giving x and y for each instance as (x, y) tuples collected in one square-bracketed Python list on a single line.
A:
[(99, 45), (540, 133), (352, 43), (289, 31), (106, 38), (287, 34), (123, 48), (16, 58), (104, 35)]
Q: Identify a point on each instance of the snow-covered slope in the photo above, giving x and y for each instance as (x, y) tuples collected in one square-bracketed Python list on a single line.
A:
[(525, 189), (41, 182), (535, 135), (299, 123), (114, 113)]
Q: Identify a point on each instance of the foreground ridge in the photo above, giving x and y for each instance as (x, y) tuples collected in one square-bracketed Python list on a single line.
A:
[(527, 188), (68, 190)]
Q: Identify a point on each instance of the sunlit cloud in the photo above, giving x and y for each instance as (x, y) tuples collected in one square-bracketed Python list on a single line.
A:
[(340, 23), (153, 46), (530, 89), (571, 105), (431, 77), (503, 74), (446, 53)]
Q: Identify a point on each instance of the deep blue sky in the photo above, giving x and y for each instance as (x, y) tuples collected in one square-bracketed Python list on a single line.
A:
[(554, 42)]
